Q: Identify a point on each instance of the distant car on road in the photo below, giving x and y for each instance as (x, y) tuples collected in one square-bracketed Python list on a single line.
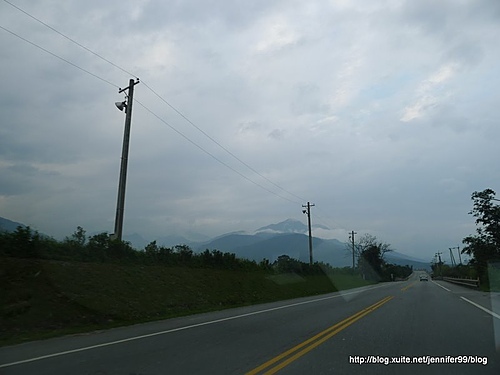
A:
[(424, 277)]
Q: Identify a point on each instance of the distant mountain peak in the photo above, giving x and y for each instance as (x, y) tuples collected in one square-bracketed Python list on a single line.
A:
[(288, 226)]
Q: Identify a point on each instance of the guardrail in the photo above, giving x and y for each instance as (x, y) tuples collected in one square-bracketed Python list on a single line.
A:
[(467, 282)]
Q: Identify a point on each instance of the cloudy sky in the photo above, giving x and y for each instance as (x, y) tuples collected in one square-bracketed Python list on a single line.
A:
[(384, 114)]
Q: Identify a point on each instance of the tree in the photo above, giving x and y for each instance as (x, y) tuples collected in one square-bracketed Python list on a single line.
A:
[(78, 238), (74, 246), (484, 247), (366, 241), (103, 247), (285, 264), (184, 253), (370, 263), (370, 254), (98, 247), (23, 243), (152, 251)]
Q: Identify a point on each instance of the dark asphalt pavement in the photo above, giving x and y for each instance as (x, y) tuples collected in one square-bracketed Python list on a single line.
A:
[(328, 334)]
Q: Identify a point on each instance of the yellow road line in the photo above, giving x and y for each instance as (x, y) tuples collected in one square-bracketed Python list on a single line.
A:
[(408, 287), (314, 341)]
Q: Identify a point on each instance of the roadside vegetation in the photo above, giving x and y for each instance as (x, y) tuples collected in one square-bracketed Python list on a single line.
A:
[(83, 283), (371, 263), (483, 247)]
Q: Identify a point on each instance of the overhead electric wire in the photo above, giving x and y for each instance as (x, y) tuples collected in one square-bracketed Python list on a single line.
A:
[(301, 200), (158, 96), (155, 115), (59, 57), (212, 155), (327, 218), (220, 145), (68, 38)]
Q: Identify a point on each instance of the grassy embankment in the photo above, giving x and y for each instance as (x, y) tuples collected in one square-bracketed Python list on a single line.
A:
[(41, 298)]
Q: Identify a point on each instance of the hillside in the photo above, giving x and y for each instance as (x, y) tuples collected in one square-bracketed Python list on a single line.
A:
[(270, 246), (7, 225), (42, 298), (287, 237)]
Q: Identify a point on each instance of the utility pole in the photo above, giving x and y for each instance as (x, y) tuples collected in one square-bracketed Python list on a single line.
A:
[(458, 250), (351, 236), (120, 204), (453, 262), (307, 211), (440, 263)]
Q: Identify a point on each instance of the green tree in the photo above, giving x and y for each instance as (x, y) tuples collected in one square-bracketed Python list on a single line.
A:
[(484, 246), (184, 253), (98, 247), (370, 262), (367, 241), (78, 238), (74, 245), (24, 243), (152, 251), (370, 254)]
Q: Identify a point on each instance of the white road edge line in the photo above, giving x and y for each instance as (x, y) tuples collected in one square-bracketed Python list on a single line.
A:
[(181, 328), (442, 286), (482, 308)]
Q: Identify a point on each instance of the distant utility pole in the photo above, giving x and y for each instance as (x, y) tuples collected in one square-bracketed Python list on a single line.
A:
[(440, 263), (307, 211), (452, 258), (120, 205), (351, 236), (458, 250)]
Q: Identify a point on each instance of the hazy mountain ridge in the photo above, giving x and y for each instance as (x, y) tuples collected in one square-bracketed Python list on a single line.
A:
[(285, 238), (289, 226), (7, 225), (296, 245)]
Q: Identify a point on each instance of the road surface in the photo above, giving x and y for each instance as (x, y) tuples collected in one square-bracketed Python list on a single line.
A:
[(367, 330)]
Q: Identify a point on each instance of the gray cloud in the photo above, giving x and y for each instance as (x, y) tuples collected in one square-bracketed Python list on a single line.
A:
[(383, 114)]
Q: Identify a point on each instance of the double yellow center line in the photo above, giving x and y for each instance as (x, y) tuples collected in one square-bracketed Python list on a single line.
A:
[(408, 287), (285, 358)]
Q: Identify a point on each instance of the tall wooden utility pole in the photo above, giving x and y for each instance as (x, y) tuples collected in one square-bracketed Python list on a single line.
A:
[(120, 204), (458, 250), (351, 236), (307, 211)]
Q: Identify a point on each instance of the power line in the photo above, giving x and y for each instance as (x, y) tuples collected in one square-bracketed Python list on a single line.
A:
[(154, 114), (150, 111), (327, 218), (212, 155), (219, 144), (70, 39), (161, 98), (58, 57)]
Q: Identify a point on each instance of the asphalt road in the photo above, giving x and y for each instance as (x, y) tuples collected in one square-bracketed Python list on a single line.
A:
[(328, 334)]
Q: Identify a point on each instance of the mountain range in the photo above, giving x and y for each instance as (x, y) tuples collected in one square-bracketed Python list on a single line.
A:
[(288, 237), (7, 225), (296, 245)]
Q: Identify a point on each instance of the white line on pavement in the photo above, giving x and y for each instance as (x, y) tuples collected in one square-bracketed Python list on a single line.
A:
[(481, 307), (442, 286), (182, 328)]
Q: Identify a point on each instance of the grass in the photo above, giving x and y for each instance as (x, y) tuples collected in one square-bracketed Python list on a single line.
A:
[(41, 298)]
